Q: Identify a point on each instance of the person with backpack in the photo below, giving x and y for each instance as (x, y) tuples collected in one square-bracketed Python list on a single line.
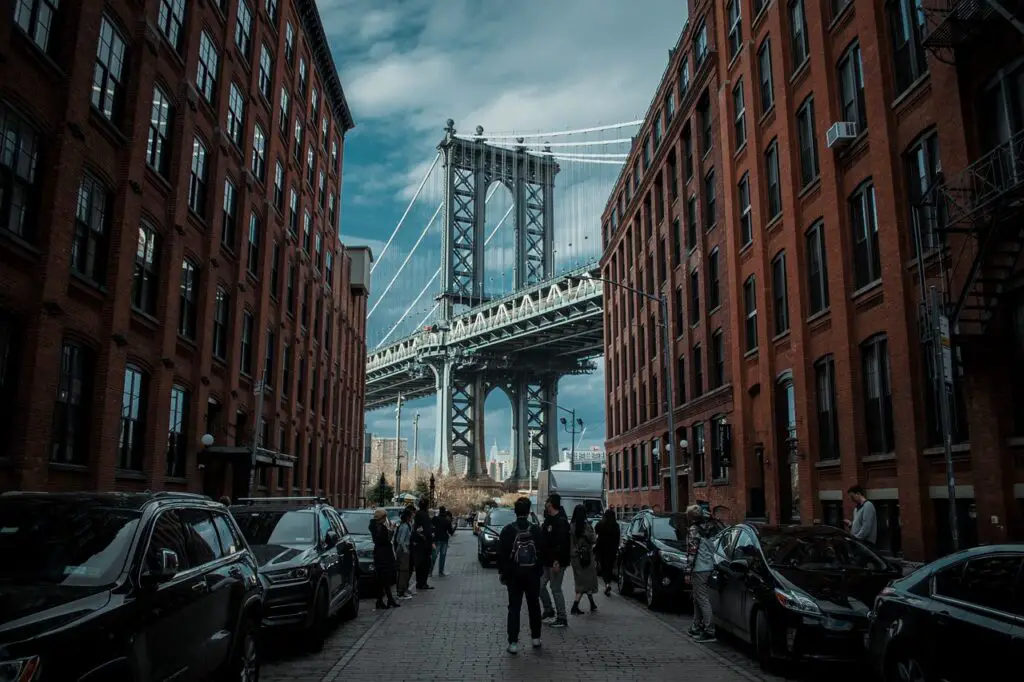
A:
[(584, 571), (555, 555), (520, 570), (701, 553)]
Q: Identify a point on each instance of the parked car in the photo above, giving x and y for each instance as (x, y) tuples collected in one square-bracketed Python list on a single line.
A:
[(358, 523), (307, 559), (797, 592), (490, 529), (951, 616), (652, 555), (125, 586)]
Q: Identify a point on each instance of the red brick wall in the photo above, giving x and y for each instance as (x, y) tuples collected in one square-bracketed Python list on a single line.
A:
[(53, 94)]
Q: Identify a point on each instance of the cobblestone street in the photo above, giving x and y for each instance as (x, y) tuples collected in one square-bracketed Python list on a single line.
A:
[(457, 632)]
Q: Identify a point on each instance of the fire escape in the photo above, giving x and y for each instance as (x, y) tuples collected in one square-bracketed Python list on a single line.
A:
[(984, 202)]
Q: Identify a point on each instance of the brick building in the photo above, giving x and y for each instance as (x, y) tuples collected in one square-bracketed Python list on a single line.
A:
[(820, 352), (170, 185)]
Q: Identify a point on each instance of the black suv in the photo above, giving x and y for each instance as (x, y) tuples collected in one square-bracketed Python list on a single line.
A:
[(307, 559), (98, 587), (653, 555)]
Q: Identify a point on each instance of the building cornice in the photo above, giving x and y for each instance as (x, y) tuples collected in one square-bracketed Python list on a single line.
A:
[(313, 27)]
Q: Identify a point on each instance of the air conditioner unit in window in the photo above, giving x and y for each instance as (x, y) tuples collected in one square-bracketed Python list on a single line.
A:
[(841, 133)]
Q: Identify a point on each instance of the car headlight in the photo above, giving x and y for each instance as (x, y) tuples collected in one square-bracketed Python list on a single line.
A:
[(300, 573), (365, 554), (674, 558), (490, 535), (796, 601), (20, 669)]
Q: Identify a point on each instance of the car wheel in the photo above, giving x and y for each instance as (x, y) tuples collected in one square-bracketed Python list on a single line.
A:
[(351, 609), (321, 613), (763, 642), (649, 595), (245, 663), (906, 666), (625, 587)]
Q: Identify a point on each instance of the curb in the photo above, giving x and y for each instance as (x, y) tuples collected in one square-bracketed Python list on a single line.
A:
[(334, 674)]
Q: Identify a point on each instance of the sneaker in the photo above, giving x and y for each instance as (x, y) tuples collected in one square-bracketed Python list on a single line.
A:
[(513, 648), (705, 636), (547, 615), (560, 623), (536, 643), (695, 630), (406, 596)]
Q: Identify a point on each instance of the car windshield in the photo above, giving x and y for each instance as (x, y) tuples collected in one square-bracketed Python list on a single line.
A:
[(277, 527), (819, 551), (357, 522), (394, 514), (501, 518), (71, 543), (671, 528)]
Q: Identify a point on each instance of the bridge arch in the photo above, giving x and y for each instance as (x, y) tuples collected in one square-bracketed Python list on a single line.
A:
[(500, 238)]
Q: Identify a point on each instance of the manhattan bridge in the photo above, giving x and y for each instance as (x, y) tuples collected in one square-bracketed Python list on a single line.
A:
[(495, 291)]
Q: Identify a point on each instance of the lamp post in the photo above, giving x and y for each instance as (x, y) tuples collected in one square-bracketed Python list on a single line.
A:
[(570, 427), (670, 407)]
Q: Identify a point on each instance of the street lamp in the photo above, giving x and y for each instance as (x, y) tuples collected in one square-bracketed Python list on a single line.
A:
[(670, 407), (568, 429)]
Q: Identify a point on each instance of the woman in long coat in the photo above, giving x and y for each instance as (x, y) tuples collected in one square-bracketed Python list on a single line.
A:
[(384, 564), (584, 570), (607, 549)]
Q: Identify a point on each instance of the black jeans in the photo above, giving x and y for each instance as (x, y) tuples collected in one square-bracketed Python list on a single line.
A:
[(421, 559), (521, 586)]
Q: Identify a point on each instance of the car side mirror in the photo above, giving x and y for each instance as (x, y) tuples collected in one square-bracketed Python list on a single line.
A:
[(330, 539), (740, 565), (167, 566)]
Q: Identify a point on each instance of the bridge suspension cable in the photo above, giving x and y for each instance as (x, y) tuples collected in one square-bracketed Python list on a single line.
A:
[(408, 208), (559, 133), (407, 259)]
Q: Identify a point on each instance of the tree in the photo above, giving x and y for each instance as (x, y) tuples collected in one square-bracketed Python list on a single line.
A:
[(383, 493), (422, 488)]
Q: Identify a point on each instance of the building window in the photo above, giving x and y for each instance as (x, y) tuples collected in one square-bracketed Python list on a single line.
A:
[(268, 358), (71, 413), (697, 362), (709, 200), (107, 86), (780, 298), (740, 115), (837, 7), (253, 255), (293, 286), (146, 278), (293, 212), (207, 67), (197, 180), (236, 115), (719, 472), (230, 216), (278, 185), (177, 433), (750, 307), (764, 73), (289, 45), (798, 33), (706, 127), (297, 146), (272, 12), (188, 309), (828, 416), (757, 6), (322, 188), (36, 19), (131, 442), (817, 269), (243, 29), (680, 319), (867, 263), (329, 270), (697, 448), (158, 146), (691, 223), (310, 164), (877, 395), (677, 242), (773, 180), (259, 153), (687, 155), (89, 242), (221, 322), (684, 77), (307, 230), (717, 359), (275, 270), (318, 251), (682, 378), (245, 360), (808, 144), (286, 370), (266, 71), (907, 24), (302, 76), (170, 20), (714, 283), (700, 45), (923, 168), (694, 297), (332, 211), (735, 27), (334, 156), (283, 120), (746, 214), (851, 88)]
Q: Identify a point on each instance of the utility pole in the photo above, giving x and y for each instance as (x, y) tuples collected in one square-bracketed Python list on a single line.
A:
[(572, 445), (415, 443), (943, 359), (398, 447), (670, 408), (257, 432)]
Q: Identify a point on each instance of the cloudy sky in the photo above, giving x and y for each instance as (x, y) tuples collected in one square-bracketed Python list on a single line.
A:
[(528, 66)]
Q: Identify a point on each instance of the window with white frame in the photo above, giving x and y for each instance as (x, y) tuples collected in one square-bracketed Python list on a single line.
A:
[(107, 85), (207, 67)]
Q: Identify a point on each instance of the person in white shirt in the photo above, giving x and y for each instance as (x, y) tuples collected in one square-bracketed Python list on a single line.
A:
[(865, 523)]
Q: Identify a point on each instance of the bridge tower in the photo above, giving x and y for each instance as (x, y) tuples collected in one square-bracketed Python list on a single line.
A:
[(462, 384)]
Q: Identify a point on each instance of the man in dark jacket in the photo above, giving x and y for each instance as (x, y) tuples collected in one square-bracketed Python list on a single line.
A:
[(519, 568), (444, 529), (554, 556), (423, 544)]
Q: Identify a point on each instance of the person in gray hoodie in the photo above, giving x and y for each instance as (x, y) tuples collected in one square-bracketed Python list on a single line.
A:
[(865, 522)]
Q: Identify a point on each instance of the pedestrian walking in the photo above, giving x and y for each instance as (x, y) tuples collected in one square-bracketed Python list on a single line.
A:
[(520, 571), (403, 553), (555, 558), (609, 536), (865, 521), (444, 529), (582, 539), (423, 544), (383, 559), (701, 553)]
